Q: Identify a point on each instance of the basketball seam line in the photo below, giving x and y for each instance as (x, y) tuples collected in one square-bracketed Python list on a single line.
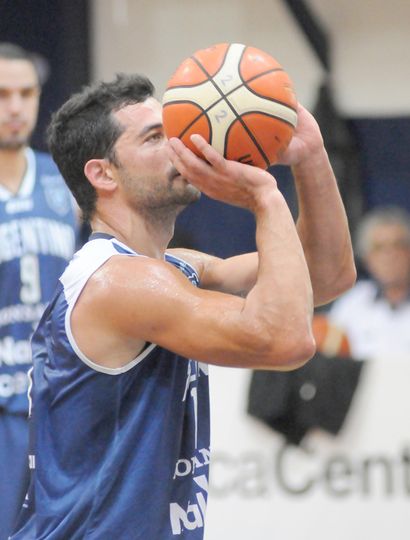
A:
[(188, 127), (232, 109), (223, 98), (190, 102), (280, 102)]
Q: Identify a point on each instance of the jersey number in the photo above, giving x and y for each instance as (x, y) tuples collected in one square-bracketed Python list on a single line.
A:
[(30, 292)]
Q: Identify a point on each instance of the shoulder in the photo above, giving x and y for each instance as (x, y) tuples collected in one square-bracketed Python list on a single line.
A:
[(122, 293), (113, 272), (121, 282), (47, 170), (44, 160), (47, 179), (130, 271)]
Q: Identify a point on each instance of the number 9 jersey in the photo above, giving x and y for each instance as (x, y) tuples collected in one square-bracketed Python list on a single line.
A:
[(37, 239)]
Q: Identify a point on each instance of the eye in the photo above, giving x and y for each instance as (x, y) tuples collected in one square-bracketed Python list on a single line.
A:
[(30, 92), (156, 136)]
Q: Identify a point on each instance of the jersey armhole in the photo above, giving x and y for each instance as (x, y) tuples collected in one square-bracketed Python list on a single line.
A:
[(71, 302), (97, 367)]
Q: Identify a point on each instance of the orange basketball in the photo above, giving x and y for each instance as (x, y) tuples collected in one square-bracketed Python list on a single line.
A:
[(238, 98)]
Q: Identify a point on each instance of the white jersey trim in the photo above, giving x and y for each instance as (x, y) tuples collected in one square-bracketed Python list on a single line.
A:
[(98, 367), (27, 184), (72, 292)]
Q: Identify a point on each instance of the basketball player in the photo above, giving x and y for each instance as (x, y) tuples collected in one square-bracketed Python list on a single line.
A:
[(36, 242), (120, 379)]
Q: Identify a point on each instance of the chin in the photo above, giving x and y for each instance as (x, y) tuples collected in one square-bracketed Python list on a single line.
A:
[(190, 195), (194, 192), (13, 144)]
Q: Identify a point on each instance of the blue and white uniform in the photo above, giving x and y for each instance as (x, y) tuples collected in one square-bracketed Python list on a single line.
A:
[(118, 453), (37, 239)]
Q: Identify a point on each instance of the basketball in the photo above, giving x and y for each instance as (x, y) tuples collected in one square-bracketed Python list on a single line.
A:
[(238, 98)]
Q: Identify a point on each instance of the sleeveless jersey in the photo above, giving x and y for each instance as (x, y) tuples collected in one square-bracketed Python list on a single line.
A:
[(37, 239), (119, 453)]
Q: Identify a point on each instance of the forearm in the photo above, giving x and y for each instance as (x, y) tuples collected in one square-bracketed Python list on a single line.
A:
[(281, 300), (271, 327), (323, 229)]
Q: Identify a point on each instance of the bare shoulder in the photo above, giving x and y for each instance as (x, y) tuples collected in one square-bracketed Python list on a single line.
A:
[(122, 276), (124, 305)]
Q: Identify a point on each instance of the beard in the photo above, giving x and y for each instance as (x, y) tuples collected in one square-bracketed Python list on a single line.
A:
[(153, 195), (14, 143), (186, 195)]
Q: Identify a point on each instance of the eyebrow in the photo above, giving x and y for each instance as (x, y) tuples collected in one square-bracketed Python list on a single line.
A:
[(149, 128), (20, 88)]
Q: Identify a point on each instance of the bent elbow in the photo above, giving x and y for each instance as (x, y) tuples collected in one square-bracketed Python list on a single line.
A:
[(305, 350), (298, 353), (350, 278), (287, 353), (346, 281), (339, 285)]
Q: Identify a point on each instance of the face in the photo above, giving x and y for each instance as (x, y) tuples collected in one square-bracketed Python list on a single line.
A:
[(144, 170), (388, 259), (19, 100)]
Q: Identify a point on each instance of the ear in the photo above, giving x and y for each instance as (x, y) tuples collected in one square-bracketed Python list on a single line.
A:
[(99, 174)]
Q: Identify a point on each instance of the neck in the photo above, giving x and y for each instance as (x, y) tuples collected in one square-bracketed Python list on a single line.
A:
[(396, 294), (12, 168), (146, 235)]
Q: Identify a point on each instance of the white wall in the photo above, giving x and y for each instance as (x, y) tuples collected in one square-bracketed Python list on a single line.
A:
[(371, 54), (353, 486), (371, 44)]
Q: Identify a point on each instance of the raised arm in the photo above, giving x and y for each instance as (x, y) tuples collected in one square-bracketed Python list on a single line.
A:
[(322, 224), (136, 300)]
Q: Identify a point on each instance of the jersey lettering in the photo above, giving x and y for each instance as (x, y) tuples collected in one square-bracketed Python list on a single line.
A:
[(20, 313), (35, 235), (193, 516), (14, 352), (13, 384), (30, 292)]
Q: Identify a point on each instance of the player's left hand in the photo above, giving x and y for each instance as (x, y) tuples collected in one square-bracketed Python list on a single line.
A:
[(307, 140), (228, 181)]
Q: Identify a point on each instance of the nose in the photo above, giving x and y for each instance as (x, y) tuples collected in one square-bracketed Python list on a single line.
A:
[(14, 103)]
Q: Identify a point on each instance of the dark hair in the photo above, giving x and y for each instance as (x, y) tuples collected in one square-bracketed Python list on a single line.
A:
[(84, 128), (11, 51)]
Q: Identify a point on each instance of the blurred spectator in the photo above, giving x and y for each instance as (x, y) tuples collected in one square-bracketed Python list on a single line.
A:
[(375, 314), (37, 238)]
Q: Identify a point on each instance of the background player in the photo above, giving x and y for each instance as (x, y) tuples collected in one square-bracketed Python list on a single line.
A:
[(37, 236), (120, 386)]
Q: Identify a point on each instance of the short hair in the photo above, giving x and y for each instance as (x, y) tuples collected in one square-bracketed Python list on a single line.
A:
[(84, 128), (11, 51), (382, 215)]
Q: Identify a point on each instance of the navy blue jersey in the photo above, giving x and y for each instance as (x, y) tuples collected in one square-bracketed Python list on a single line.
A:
[(37, 239), (119, 453)]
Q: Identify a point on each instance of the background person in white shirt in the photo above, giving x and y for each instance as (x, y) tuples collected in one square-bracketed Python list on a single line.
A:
[(375, 314)]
